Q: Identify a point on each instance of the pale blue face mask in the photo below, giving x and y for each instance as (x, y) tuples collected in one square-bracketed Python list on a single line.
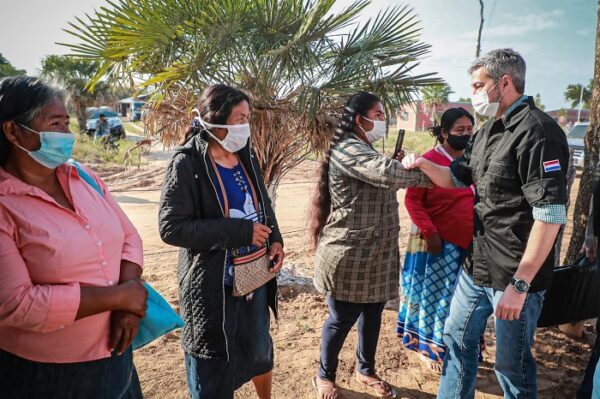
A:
[(56, 148)]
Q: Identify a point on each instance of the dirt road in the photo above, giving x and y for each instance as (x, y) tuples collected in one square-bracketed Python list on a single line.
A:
[(296, 335)]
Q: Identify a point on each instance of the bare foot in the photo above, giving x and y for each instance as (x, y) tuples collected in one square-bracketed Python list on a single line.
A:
[(325, 389), (383, 389), (430, 364)]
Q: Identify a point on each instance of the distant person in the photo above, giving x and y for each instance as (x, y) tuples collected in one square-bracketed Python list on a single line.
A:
[(215, 207), (102, 127), (591, 248), (442, 232), (517, 160), (355, 226), (71, 298)]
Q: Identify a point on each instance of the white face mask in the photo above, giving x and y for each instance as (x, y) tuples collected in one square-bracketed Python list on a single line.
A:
[(378, 131), (237, 135), (482, 105)]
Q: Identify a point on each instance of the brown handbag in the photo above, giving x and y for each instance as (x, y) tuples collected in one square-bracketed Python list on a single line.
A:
[(251, 271)]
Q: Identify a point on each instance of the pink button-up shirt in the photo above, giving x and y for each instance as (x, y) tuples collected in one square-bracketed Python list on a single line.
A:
[(46, 253)]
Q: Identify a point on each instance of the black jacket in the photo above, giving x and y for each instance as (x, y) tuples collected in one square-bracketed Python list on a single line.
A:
[(517, 162), (190, 216)]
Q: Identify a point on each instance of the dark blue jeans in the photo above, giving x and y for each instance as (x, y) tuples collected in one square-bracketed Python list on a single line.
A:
[(342, 316), (110, 378)]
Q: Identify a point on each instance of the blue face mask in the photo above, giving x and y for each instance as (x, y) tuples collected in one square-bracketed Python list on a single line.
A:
[(56, 148)]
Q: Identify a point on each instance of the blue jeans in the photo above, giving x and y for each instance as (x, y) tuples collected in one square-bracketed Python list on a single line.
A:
[(585, 390), (342, 316), (515, 366)]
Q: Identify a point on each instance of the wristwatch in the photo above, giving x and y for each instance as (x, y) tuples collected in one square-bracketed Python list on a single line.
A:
[(520, 286)]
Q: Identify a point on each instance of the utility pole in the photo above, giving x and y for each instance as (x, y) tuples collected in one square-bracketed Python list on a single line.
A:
[(580, 103)]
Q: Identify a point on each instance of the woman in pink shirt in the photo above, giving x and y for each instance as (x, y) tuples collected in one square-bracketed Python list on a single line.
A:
[(71, 297)]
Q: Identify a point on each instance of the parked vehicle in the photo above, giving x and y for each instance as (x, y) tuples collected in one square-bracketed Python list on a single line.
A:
[(575, 139), (114, 122)]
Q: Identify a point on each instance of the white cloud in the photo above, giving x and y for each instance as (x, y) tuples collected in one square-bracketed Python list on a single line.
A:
[(518, 25)]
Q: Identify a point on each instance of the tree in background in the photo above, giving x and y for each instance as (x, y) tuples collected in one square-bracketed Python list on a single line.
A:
[(464, 100), (481, 20), (573, 94), (538, 102), (6, 68), (433, 96), (298, 59), (73, 75), (592, 147)]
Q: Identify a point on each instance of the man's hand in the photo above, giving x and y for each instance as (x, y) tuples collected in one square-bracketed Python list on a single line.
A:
[(277, 255), (123, 329), (411, 161), (589, 249), (434, 244), (511, 304)]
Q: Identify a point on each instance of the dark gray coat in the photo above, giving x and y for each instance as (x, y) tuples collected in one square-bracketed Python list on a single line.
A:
[(190, 216)]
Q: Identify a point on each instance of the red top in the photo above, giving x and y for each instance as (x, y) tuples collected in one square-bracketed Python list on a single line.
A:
[(447, 211)]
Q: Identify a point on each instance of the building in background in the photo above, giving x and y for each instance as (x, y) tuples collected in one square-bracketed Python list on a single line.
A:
[(416, 117)]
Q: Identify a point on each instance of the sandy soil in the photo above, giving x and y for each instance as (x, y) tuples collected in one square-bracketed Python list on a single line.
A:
[(296, 335)]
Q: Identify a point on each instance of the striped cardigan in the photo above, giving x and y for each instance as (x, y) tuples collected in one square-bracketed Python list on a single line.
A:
[(357, 258)]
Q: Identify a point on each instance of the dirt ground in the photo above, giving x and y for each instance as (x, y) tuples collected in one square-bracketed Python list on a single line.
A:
[(561, 359)]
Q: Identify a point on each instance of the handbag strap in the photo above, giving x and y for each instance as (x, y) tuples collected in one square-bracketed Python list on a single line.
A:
[(222, 186)]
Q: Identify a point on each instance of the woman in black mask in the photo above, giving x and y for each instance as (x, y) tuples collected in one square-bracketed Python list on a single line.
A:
[(442, 231)]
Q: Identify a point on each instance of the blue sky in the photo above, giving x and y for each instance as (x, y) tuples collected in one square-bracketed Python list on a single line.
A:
[(555, 37)]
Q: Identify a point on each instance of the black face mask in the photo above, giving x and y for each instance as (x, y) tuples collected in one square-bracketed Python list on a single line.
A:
[(459, 143)]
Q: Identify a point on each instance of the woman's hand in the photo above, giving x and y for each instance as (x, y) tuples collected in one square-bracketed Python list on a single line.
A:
[(411, 161), (123, 329), (260, 234), (133, 297), (434, 244), (400, 155), (277, 255)]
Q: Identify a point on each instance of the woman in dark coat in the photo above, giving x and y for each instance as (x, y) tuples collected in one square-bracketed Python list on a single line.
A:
[(215, 207)]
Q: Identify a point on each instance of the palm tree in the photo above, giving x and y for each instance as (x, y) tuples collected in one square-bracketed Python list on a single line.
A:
[(433, 96), (73, 75), (298, 59)]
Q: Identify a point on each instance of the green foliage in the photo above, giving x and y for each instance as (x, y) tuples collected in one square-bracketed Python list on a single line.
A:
[(573, 94), (538, 102), (74, 75), (298, 59), (464, 100), (414, 142), (433, 96), (6, 68)]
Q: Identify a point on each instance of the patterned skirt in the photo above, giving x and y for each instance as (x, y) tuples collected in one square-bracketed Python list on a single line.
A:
[(428, 283)]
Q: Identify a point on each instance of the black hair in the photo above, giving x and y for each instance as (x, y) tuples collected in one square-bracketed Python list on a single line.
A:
[(21, 100), (359, 104), (102, 115), (449, 118), (215, 106)]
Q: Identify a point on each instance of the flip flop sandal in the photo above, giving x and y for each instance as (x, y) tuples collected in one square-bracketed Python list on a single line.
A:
[(320, 395), (390, 391), (430, 364)]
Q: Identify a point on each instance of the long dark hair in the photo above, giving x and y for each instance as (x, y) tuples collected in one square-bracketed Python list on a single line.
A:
[(21, 100), (358, 104), (449, 118), (215, 105)]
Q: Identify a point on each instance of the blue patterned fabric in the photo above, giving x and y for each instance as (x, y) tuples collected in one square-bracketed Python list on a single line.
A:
[(428, 283)]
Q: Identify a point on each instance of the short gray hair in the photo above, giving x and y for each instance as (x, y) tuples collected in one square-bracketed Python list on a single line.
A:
[(500, 62)]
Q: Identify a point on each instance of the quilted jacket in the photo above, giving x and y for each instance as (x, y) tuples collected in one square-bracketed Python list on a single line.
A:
[(190, 217)]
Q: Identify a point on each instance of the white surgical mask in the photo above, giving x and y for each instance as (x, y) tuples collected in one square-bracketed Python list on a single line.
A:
[(482, 105), (237, 135), (378, 131)]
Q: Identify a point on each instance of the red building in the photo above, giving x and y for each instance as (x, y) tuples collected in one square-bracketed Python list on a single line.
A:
[(570, 116), (416, 117)]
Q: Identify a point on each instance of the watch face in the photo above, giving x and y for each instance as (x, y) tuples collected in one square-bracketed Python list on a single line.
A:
[(521, 286)]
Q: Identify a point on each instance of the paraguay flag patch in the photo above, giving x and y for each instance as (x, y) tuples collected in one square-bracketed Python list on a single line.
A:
[(551, 166)]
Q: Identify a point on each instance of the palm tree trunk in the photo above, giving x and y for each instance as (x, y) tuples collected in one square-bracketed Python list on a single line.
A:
[(592, 147)]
